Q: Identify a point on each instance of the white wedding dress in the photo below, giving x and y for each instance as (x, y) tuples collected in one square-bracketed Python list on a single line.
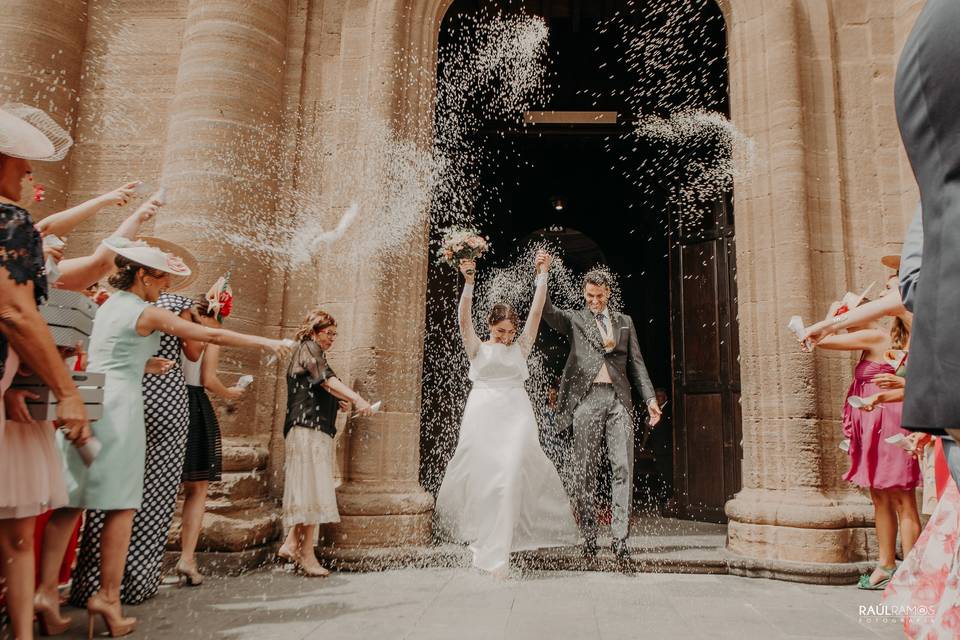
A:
[(501, 493)]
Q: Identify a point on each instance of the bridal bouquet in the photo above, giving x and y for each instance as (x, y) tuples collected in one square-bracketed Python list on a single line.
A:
[(461, 244)]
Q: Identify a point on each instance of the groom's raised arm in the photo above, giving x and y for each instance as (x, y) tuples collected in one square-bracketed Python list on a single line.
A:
[(558, 319), (637, 368)]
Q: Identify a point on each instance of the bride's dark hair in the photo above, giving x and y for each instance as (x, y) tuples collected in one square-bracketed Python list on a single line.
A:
[(501, 312)]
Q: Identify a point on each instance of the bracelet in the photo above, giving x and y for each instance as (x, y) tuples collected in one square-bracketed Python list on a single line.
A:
[(839, 319), (541, 279)]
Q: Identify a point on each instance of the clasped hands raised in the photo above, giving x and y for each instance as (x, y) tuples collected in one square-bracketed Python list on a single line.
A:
[(542, 261)]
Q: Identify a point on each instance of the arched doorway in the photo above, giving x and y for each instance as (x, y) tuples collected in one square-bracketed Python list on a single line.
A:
[(591, 175)]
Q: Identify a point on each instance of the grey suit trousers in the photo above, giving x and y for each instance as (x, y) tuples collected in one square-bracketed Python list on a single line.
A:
[(601, 416)]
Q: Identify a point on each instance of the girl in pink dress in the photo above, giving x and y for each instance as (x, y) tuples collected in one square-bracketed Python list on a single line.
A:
[(878, 466)]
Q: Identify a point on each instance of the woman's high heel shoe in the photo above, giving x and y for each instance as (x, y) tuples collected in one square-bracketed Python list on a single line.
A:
[(189, 575), (112, 616), (49, 618), (313, 570)]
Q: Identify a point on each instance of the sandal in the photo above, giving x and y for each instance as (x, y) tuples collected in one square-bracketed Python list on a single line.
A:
[(866, 585)]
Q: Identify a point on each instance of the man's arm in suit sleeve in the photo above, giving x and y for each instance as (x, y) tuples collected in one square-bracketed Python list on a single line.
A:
[(560, 320), (910, 260), (637, 368)]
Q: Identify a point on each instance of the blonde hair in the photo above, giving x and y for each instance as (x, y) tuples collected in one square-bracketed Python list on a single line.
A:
[(316, 321)]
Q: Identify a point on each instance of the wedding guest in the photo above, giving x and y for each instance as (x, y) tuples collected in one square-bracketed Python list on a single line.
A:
[(314, 394), (167, 417), (929, 127), (31, 477), (63, 222), (890, 476), (925, 586), (126, 334), (203, 462)]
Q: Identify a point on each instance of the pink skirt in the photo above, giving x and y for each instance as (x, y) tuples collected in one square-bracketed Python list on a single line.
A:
[(874, 463), (31, 468)]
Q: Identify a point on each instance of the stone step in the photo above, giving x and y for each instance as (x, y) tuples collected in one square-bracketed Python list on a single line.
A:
[(240, 485), (244, 454), (241, 530), (694, 560)]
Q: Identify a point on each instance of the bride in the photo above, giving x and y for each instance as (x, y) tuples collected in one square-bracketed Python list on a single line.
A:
[(501, 493)]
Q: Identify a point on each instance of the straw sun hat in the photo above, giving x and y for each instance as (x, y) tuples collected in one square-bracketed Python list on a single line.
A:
[(891, 262), (29, 133), (158, 254)]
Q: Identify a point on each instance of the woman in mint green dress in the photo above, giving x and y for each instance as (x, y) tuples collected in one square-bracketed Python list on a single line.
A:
[(126, 333), (117, 350)]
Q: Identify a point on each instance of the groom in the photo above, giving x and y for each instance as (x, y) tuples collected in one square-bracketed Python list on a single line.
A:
[(595, 398)]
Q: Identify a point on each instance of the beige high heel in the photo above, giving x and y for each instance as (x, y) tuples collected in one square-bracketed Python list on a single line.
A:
[(189, 575), (312, 572), (112, 616), (49, 618)]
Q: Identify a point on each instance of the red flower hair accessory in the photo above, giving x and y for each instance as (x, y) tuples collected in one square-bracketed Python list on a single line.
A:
[(220, 298)]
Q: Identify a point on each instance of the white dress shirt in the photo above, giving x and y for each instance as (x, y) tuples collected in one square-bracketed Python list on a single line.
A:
[(606, 333)]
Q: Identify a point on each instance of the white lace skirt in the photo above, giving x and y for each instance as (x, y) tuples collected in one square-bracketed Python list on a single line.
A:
[(309, 492)]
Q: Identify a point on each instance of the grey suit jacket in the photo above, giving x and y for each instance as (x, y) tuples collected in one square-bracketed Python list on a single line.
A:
[(911, 260), (624, 362)]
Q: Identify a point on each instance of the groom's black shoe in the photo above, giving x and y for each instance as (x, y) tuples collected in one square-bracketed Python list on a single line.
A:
[(620, 550), (590, 548)]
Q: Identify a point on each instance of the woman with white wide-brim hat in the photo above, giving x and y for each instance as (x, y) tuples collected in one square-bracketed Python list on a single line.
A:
[(126, 334), (31, 477), (166, 411)]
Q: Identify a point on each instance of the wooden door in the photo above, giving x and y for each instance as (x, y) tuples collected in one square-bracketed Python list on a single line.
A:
[(706, 370)]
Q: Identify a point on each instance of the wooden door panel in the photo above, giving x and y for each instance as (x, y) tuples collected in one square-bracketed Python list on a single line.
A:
[(706, 353), (701, 335), (704, 442)]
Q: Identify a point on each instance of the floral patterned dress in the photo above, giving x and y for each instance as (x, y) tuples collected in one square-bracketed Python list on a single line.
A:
[(928, 581)]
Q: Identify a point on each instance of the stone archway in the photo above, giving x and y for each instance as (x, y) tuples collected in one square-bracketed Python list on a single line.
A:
[(810, 83), (793, 518)]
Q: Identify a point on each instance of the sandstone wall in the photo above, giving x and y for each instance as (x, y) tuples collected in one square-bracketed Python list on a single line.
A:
[(157, 90)]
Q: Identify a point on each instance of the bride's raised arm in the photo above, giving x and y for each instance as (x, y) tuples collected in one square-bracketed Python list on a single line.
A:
[(471, 343), (532, 326)]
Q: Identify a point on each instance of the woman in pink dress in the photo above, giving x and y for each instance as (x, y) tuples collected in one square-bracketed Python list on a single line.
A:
[(878, 466)]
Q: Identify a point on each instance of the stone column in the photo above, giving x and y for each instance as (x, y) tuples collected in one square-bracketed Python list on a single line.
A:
[(351, 85), (905, 15), (40, 65), (792, 519), (221, 172), (221, 158)]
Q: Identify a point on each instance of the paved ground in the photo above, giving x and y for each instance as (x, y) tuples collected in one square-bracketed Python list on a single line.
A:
[(428, 604)]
